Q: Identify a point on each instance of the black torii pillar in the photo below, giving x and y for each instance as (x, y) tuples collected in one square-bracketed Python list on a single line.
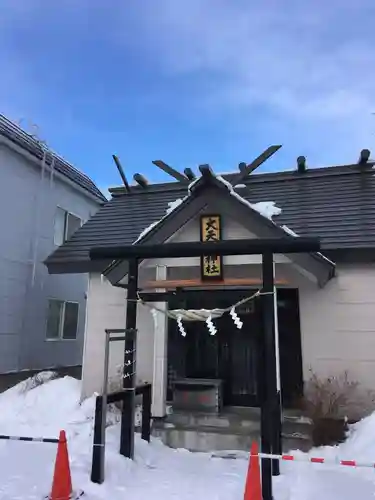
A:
[(270, 398)]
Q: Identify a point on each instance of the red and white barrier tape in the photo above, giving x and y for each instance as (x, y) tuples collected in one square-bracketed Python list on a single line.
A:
[(317, 460)]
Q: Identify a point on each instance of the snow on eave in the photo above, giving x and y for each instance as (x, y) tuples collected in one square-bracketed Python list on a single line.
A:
[(294, 234), (192, 184), (267, 209), (172, 206)]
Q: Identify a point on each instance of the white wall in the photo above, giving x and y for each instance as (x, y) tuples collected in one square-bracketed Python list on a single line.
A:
[(28, 205), (338, 325), (106, 308)]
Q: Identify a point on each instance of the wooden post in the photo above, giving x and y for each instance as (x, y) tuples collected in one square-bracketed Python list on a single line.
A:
[(128, 406), (269, 391), (160, 323), (277, 418), (146, 413), (97, 467)]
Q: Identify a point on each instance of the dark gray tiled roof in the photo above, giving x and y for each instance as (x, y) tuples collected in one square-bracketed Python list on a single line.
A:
[(26, 141), (336, 204)]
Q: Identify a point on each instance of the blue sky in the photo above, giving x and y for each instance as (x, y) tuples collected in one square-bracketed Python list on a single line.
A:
[(190, 82)]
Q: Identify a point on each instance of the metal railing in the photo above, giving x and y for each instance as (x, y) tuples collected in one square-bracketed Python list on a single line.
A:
[(98, 451)]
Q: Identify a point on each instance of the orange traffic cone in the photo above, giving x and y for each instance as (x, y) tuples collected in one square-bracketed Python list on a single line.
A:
[(253, 487), (62, 481)]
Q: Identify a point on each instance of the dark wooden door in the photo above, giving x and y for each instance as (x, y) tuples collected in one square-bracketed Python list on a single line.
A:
[(234, 355), (231, 355), (240, 356), (290, 346)]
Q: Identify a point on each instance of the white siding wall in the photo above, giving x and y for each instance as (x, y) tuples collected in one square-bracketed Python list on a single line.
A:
[(106, 308), (338, 325)]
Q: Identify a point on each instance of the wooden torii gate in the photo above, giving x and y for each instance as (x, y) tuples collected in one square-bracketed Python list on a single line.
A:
[(271, 418)]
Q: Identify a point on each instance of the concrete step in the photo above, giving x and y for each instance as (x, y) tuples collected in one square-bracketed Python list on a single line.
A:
[(210, 439), (205, 439), (222, 421), (236, 422), (228, 431)]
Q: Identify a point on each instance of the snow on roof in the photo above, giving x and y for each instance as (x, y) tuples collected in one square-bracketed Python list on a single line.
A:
[(289, 231), (266, 208), (172, 205), (192, 184), (146, 230), (292, 233)]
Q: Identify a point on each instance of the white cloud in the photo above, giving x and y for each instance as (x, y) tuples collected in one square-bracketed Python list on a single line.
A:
[(305, 59), (303, 71), (309, 67)]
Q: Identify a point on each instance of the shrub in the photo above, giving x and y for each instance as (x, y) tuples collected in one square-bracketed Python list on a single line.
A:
[(331, 403), (330, 397), (37, 380)]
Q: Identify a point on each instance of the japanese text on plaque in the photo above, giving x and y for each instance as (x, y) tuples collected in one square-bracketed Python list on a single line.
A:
[(211, 231)]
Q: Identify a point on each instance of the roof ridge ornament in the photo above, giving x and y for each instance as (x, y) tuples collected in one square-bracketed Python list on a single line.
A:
[(245, 171), (171, 171), (205, 169), (364, 156)]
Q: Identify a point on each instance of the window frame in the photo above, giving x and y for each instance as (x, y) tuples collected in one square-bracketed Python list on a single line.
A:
[(61, 337), (65, 231)]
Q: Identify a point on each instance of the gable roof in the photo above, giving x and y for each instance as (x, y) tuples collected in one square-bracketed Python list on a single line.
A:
[(215, 193), (335, 204), (17, 136)]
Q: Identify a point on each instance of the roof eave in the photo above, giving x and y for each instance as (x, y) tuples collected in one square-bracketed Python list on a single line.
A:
[(76, 267), (36, 161)]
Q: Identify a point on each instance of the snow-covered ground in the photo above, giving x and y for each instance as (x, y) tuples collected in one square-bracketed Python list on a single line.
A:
[(157, 472)]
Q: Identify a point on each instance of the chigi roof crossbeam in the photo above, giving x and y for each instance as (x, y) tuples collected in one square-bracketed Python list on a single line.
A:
[(188, 174), (171, 171), (245, 169)]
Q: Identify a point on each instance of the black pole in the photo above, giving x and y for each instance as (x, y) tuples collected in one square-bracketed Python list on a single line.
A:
[(98, 449), (268, 411), (265, 440), (274, 392), (277, 444), (128, 405), (146, 412)]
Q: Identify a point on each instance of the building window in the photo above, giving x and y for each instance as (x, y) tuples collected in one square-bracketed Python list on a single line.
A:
[(65, 225), (62, 320)]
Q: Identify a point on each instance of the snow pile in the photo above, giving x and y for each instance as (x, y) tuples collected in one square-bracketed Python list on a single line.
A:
[(157, 471)]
